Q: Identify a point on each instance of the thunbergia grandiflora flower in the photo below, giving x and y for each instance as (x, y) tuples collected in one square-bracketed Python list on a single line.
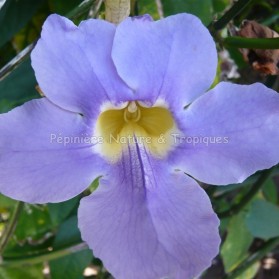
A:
[(128, 103)]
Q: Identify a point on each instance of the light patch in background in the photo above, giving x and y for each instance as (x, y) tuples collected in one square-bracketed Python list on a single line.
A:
[(2, 2)]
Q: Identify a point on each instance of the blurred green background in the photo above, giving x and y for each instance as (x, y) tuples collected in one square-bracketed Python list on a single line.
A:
[(43, 240)]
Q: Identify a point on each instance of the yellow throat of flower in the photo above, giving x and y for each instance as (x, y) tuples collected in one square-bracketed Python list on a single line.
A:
[(135, 123)]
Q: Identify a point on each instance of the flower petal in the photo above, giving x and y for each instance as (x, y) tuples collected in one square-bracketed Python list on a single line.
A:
[(236, 132), (147, 221), (174, 58), (37, 163), (73, 65)]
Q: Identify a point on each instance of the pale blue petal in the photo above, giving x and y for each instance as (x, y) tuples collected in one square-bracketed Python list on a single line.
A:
[(38, 164), (73, 65), (236, 129), (147, 221), (174, 58)]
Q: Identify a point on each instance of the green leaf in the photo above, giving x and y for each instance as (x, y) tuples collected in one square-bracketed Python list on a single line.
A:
[(263, 219), (237, 242), (270, 191), (201, 8), (220, 5), (62, 7), (73, 265), (224, 225), (60, 211), (6, 202), (94, 185), (33, 223), (14, 15), (30, 272), (7, 53), (250, 272), (18, 87), (148, 7), (67, 234)]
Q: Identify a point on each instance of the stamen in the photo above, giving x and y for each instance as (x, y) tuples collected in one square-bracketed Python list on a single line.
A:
[(132, 107), (132, 113)]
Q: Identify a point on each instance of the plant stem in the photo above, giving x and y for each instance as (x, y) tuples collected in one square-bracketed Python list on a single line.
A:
[(160, 8), (18, 59), (94, 10), (82, 8), (230, 14), (117, 10), (30, 260), (10, 227), (252, 43), (251, 259), (236, 208)]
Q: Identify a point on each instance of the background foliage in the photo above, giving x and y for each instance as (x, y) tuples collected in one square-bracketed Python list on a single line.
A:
[(42, 241)]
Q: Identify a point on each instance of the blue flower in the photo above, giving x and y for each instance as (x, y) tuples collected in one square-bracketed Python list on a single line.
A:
[(128, 103)]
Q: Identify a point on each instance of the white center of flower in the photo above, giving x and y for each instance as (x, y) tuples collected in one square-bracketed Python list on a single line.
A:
[(135, 124)]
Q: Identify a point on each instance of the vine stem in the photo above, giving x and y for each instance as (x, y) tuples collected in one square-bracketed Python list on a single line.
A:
[(83, 8), (230, 14), (236, 208), (10, 227), (252, 43), (251, 259), (29, 260)]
